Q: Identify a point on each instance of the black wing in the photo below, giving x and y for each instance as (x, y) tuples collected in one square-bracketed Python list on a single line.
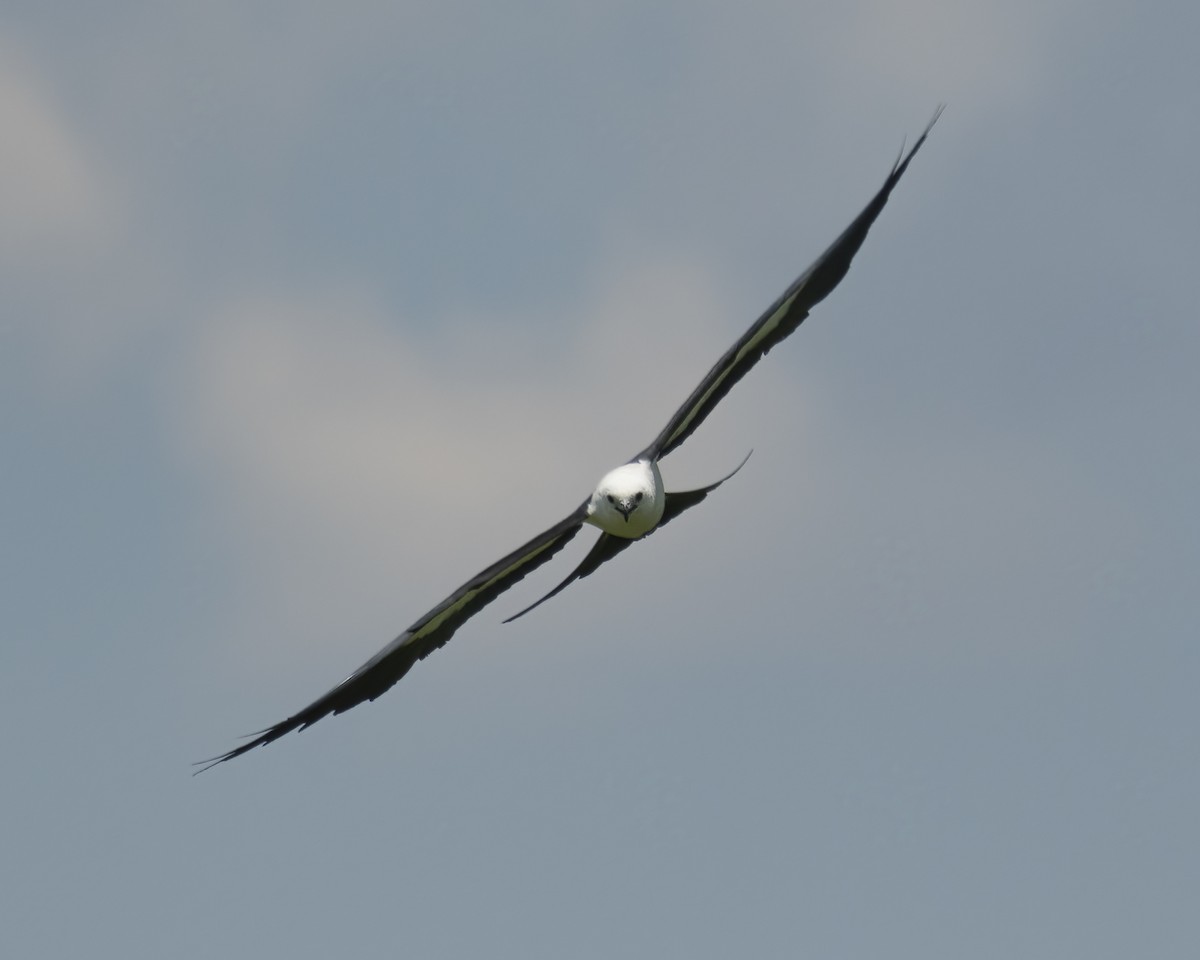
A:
[(429, 633), (781, 318), (609, 546)]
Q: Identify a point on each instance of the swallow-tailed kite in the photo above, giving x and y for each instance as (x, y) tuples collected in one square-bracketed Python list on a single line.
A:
[(629, 503)]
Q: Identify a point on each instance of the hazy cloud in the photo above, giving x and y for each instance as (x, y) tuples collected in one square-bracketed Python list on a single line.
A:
[(51, 198)]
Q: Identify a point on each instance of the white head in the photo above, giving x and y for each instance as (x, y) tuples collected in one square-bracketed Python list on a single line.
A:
[(628, 501)]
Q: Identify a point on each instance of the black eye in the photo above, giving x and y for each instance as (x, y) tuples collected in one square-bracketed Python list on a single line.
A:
[(638, 496), (610, 498)]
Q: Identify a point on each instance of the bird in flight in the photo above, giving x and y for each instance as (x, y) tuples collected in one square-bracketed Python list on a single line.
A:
[(629, 503)]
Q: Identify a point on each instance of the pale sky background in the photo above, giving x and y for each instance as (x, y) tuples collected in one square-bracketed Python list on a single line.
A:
[(311, 311)]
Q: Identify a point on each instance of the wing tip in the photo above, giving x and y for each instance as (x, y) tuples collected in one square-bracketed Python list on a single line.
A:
[(210, 762), (902, 158), (261, 739)]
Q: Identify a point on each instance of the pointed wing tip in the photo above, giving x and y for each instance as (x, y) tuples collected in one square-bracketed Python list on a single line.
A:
[(206, 765), (538, 603), (902, 158), (261, 738), (928, 127), (732, 472)]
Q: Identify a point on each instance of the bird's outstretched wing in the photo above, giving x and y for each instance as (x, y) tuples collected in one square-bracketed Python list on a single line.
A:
[(781, 318), (429, 633), (609, 546)]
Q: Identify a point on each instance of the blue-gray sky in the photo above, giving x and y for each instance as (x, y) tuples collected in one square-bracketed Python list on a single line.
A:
[(311, 311)]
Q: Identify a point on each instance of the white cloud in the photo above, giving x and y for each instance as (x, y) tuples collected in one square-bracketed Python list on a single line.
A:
[(50, 195), (979, 54), (338, 449), (324, 403), (868, 53), (74, 291)]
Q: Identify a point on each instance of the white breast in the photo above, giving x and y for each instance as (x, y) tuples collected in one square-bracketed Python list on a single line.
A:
[(628, 501)]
